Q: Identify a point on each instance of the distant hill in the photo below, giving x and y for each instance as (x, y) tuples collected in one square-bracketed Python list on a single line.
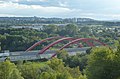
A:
[(10, 21)]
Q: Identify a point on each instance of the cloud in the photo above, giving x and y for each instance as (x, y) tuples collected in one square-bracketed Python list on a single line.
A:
[(98, 9), (101, 16), (24, 0), (10, 8), (63, 4), (37, 0)]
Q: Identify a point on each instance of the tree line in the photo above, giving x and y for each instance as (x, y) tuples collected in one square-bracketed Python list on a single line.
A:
[(19, 39), (99, 63)]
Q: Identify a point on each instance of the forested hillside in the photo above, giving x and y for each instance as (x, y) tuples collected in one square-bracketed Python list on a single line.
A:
[(19, 39), (101, 63)]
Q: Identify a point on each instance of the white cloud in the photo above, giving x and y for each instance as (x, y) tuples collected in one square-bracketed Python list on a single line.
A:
[(63, 4), (101, 16), (41, 0), (15, 9), (98, 9), (24, 0), (31, 10)]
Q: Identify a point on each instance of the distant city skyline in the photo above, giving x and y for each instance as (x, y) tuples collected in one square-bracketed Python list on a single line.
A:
[(95, 9)]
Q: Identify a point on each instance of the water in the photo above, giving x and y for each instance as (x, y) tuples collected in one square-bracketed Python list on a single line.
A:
[(29, 27)]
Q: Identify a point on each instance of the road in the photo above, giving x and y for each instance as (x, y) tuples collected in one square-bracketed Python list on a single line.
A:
[(33, 55)]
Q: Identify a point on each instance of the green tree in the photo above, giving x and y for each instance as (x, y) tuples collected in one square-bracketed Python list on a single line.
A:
[(75, 72), (63, 72), (0, 46), (50, 29), (16, 75), (63, 54), (64, 75), (56, 64), (9, 70), (76, 60), (48, 75), (30, 70), (103, 63), (71, 29), (2, 40), (85, 29)]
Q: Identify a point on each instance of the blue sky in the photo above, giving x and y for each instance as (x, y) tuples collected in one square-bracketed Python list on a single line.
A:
[(96, 9)]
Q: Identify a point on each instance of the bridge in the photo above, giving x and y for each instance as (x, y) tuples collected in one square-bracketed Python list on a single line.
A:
[(79, 45)]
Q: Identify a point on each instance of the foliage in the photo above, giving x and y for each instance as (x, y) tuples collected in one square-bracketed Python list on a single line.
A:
[(50, 29), (71, 29), (85, 29), (64, 72), (103, 63), (30, 70), (9, 70), (80, 59), (62, 54), (19, 39)]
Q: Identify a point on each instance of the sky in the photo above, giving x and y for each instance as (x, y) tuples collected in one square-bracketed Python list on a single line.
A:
[(96, 9)]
